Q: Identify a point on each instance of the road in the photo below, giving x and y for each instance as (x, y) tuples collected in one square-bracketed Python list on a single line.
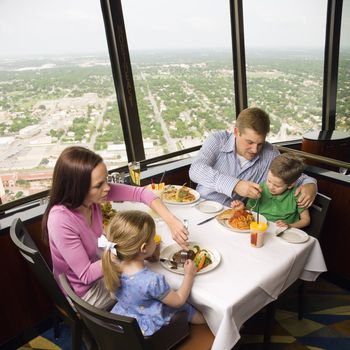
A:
[(158, 117)]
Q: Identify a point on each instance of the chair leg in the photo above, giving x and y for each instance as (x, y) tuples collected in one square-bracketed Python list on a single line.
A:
[(301, 300), (56, 324), (270, 314), (76, 334)]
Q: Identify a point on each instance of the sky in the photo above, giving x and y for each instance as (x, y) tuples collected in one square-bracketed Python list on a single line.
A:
[(32, 27)]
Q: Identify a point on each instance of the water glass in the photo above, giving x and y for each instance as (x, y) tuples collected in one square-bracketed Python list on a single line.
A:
[(135, 173)]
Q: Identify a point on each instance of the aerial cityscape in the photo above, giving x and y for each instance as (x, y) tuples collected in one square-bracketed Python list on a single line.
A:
[(50, 103)]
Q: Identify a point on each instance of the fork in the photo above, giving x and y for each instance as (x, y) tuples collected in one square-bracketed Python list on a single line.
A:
[(186, 223), (253, 207)]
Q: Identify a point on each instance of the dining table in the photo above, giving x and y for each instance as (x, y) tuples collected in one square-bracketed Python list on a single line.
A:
[(245, 279)]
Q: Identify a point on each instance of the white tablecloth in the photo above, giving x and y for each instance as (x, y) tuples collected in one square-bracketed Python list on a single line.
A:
[(246, 279)]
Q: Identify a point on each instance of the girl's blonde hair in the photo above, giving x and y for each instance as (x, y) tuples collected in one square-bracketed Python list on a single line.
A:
[(128, 230)]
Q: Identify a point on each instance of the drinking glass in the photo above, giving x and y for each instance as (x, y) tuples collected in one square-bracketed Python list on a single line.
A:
[(257, 232), (135, 173), (343, 170)]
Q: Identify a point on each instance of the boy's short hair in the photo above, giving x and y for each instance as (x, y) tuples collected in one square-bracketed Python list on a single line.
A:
[(287, 167), (253, 118)]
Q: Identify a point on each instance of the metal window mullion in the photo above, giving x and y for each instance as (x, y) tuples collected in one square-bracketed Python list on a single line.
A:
[(123, 78), (238, 54), (331, 61)]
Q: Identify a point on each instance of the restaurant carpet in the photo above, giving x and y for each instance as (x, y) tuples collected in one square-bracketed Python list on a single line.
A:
[(326, 324)]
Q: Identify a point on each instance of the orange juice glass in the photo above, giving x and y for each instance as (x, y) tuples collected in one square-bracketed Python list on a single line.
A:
[(156, 254), (257, 233)]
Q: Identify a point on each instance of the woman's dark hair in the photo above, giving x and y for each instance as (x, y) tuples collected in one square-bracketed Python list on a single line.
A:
[(71, 180)]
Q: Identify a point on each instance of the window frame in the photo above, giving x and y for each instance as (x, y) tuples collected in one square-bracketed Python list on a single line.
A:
[(126, 96)]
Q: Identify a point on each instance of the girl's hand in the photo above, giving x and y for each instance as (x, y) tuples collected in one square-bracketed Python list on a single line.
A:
[(190, 268), (281, 223), (237, 204)]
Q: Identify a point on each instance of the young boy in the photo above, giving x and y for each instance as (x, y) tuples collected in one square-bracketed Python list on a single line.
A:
[(278, 202)]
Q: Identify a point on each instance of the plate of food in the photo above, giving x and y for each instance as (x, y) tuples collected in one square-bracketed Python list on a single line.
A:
[(294, 235), (174, 194), (238, 220), (209, 207), (205, 259)]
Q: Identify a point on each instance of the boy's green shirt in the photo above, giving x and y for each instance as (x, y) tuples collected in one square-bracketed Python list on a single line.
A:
[(283, 206)]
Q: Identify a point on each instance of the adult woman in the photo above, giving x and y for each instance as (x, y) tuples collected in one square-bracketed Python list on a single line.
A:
[(73, 220)]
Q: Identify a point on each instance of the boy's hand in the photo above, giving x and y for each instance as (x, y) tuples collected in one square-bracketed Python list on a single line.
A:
[(190, 268), (281, 223), (237, 204)]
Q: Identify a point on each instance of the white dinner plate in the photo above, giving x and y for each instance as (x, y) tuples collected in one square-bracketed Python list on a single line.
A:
[(194, 192), (225, 223), (209, 207), (169, 251), (294, 235)]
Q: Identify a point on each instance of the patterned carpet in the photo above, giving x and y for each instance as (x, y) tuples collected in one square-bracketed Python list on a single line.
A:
[(326, 324)]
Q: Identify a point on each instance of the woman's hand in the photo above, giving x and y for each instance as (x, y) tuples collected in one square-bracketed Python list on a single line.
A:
[(176, 226), (178, 232)]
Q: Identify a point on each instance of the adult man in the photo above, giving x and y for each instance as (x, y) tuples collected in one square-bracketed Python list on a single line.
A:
[(231, 165)]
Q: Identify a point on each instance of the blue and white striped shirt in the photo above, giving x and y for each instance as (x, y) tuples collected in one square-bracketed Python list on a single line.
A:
[(217, 169)]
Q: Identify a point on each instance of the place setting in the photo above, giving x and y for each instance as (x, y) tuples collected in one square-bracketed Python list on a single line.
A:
[(209, 207), (179, 195), (292, 235), (172, 258), (233, 219)]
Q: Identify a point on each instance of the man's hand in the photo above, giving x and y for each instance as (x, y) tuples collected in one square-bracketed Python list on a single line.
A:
[(248, 189), (307, 195)]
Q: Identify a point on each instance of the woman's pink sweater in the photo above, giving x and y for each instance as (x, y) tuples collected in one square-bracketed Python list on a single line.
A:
[(73, 243)]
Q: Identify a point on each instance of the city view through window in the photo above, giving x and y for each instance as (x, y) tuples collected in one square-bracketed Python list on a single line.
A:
[(49, 101)]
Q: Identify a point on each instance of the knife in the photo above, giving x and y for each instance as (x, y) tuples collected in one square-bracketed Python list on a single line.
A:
[(172, 262), (207, 220), (279, 231)]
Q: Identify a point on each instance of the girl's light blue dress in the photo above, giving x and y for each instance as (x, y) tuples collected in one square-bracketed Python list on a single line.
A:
[(140, 296)]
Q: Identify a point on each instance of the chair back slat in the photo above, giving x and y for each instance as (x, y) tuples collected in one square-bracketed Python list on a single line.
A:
[(28, 249), (110, 331), (318, 212)]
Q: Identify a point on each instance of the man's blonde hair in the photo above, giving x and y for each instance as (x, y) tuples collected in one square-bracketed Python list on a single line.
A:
[(128, 230), (287, 167), (253, 118)]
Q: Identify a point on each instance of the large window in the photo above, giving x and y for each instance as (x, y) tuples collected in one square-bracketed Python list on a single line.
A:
[(343, 90), (284, 55), (182, 67), (56, 90)]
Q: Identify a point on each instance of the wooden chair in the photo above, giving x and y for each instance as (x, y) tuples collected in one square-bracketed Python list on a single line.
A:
[(113, 332), (28, 249)]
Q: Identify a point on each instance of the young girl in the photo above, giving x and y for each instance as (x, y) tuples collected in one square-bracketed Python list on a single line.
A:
[(141, 293)]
